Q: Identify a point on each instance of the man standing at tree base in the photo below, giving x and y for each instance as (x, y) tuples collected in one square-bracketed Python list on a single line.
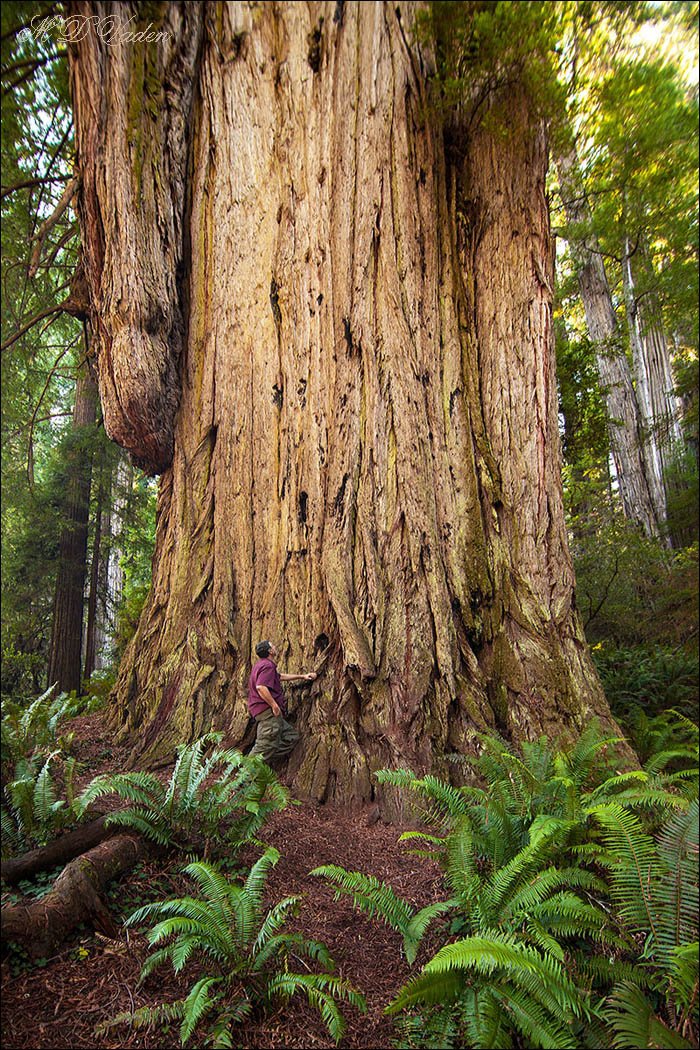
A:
[(267, 705)]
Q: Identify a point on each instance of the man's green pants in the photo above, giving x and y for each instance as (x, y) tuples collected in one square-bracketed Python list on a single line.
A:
[(275, 737)]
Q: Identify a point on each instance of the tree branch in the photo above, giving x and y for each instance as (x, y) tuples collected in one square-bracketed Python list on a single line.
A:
[(48, 224), (603, 600), (29, 72), (5, 191), (50, 10), (34, 320)]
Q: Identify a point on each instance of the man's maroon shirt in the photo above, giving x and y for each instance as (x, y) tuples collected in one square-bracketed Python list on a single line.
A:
[(265, 673)]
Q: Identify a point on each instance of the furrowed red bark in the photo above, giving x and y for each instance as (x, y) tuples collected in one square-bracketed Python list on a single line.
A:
[(132, 101), (366, 449)]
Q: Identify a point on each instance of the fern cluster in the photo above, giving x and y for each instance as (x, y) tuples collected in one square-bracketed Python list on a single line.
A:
[(36, 769), (32, 812), (214, 796), (555, 870), (245, 951), (34, 725), (220, 798)]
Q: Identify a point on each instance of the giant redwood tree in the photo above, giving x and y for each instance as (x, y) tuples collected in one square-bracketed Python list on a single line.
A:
[(323, 314)]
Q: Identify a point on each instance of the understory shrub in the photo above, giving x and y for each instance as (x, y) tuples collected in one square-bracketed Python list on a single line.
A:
[(654, 679), (245, 953), (214, 796), (571, 915)]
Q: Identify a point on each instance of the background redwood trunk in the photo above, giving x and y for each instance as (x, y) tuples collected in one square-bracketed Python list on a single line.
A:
[(67, 621), (366, 449), (642, 497)]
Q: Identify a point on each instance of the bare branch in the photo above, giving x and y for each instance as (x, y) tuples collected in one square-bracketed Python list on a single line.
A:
[(601, 603), (29, 72), (48, 312), (27, 63), (48, 224), (61, 243), (35, 413), (5, 191)]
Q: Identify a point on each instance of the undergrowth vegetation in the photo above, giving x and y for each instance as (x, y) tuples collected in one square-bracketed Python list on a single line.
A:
[(571, 916), (247, 955), (212, 799), (37, 768)]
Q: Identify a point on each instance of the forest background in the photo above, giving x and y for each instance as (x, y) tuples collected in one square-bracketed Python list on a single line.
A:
[(78, 517)]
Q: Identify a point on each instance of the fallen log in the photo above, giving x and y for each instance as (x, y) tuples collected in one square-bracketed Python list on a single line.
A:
[(60, 851), (43, 925)]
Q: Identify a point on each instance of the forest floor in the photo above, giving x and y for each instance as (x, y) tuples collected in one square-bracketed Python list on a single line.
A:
[(58, 1004)]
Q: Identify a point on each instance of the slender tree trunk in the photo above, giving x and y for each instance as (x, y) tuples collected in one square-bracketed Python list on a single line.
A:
[(659, 405), (625, 426), (92, 628), (651, 445), (366, 452), (67, 625), (111, 571)]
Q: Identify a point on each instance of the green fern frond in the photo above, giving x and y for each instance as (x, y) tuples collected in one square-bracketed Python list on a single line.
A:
[(683, 965), (285, 944), (539, 975), (197, 1005), (442, 802), (214, 886), (154, 960), (148, 823), (541, 883), (140, 787), (462, 857), (144, 1017), (322, 991), (580, 760), (185, 774), (427, 989), (544, 940), (540, 1027), (481, 1015), (636, 1025), (369, 895), (633, 863), (605, 971), (255, 882), (661, 759), (419, 924), (275, 920), (677, 891), (44, 792)]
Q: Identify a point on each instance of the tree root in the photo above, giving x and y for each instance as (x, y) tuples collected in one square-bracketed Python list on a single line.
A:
[(75, 898)]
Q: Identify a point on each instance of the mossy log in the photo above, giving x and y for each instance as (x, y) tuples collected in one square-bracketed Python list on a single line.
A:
[(42, 926), (61, 850)]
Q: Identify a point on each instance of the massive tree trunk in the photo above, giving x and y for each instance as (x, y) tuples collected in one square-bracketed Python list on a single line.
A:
[(641, 500), (67, 623), (366, 450)]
